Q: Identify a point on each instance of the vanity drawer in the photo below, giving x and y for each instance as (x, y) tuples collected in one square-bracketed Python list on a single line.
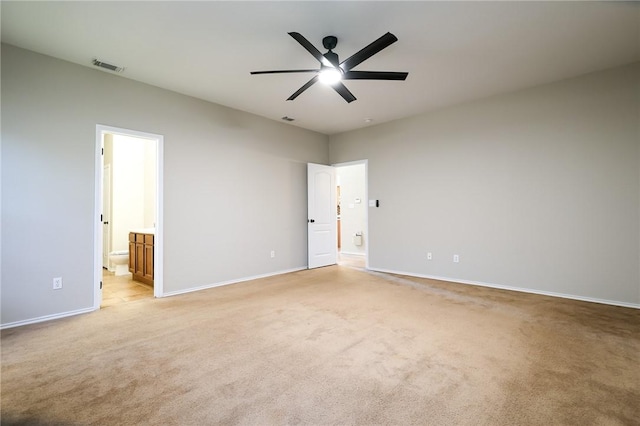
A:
[(148, 239)]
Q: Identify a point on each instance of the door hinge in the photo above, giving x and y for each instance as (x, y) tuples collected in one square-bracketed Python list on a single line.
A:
[(102, 151), (100, 285), (100, 218)]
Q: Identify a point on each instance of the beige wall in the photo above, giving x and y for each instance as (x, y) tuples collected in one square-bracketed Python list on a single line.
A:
[(133, 187), (535, 190), (150, 184), (234, 184)]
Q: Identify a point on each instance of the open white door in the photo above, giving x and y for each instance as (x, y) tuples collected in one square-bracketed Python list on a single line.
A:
[(322, 216), (106, 212)]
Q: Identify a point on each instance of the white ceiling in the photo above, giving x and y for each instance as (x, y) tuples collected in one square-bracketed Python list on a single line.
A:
[(454, 51)]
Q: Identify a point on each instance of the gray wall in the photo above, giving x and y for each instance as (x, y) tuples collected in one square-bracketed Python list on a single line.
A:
[(536, 190), (234, 183)]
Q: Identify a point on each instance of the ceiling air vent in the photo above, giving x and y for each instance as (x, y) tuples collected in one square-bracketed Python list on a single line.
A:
[(285, 118), (107, 66)]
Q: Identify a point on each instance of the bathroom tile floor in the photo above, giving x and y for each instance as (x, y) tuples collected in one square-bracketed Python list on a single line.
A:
[(352, 260), (122, 289)]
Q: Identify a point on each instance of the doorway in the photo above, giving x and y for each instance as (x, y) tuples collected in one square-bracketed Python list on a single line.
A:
[(353, 214), (128, 199)]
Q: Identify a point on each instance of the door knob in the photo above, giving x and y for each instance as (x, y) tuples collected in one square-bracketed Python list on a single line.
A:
[(312, 220), (105, 223)]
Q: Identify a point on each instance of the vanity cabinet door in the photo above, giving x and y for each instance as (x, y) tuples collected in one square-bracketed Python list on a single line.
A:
[(132, 252), (139, 266), (148, 257)]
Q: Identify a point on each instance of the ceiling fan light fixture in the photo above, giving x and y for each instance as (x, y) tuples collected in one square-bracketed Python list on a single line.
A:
[(329, 76), (332, 71)]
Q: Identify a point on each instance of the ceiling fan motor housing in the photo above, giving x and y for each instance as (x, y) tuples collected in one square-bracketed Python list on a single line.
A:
[(330, 42), (332, 57)]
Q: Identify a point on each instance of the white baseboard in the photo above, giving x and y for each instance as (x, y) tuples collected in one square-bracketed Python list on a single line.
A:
[(46, 318), (173, 293), (386, 271), (240, 280), (519, 289), (352, 253)]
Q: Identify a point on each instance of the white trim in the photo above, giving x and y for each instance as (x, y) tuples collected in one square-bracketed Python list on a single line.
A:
[(348, 253), (97, 223), (46, 318), (518, 289), (158, 240), (366, 199), (240, 280), (349, 163)]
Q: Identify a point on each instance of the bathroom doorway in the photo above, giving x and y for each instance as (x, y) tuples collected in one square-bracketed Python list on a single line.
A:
[(353, 213), (128, 202)]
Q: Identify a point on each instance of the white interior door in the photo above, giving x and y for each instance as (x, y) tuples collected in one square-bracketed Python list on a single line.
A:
[(106, 215), (322, 215)]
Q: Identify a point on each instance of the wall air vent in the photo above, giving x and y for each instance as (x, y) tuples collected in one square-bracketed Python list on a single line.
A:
[(285, 118), (107, 66)]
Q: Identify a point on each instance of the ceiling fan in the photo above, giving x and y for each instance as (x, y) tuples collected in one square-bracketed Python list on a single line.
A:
[(332, 71)]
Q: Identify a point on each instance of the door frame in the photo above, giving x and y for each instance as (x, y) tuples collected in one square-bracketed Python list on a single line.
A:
[(366, 198), (158, 263)]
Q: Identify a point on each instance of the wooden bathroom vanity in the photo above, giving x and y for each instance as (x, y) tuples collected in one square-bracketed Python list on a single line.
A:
[(141, 257)]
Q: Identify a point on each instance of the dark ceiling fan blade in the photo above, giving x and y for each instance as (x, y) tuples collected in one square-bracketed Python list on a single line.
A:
[(303, 88), (368, 51), (310, 47), (374, 75), (282, 71), (344, 92)]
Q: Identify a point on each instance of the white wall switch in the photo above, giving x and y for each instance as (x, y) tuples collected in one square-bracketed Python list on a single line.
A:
[(429, 256), (456, 258), (273, 254)]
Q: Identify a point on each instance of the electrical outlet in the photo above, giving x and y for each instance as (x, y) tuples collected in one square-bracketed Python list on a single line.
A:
[(57, 283), (456, 258), (429, 256), (273, 254)]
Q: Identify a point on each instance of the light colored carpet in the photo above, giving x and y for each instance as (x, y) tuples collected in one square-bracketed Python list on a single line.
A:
[(335, 346)]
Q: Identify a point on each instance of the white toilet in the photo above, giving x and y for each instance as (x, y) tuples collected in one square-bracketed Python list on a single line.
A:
[(120, 259)]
